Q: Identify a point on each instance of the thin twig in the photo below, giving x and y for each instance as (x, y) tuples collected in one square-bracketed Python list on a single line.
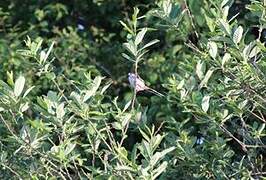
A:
[(10, 169), (237, 140), (191, 18)]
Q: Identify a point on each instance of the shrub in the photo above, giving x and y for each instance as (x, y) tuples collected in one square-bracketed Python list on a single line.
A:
[(67, 112)]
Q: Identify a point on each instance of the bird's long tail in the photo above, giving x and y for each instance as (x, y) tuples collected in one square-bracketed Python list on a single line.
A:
[(154, 92)]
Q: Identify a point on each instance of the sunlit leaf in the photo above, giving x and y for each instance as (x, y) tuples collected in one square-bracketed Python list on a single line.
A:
[(140, 36), (95, 85), (213, 49), (205, 103), (238, 35), (200, 69), (19, 86), (60, 111), (206, 78)]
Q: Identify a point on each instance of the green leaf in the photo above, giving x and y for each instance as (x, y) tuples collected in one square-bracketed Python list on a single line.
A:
[(60, 112), (206, 78), (205, 103), (124, 168), (28, 91), (126, 27), (180, 84), (24, 107), (150, 44), (126, 119), (47, 53), (160, 169), (200, 69), (261, 128), (238, 35), (144, 135), (96, 84), (131, 47), (19, 86), (225, 12), (10, 80), (212, 49), (42, 56), (210, 22), (127, 106), (225, 27), (254, 51), (247, 50), (167, 7), (127, 57), (224, 3), (159, 155), (225, 59), (69, 148), (140, 36), (157, 140)]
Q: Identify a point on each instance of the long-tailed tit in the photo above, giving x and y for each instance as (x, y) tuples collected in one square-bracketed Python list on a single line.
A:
[(136, 82)]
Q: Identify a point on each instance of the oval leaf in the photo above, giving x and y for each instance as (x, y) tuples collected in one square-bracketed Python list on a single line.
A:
[(19, 85), (205, 103), (238, 35), (213, 49), (200, 69), (225, 59)]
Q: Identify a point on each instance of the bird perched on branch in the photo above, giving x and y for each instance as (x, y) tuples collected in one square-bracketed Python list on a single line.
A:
[(137, 83)]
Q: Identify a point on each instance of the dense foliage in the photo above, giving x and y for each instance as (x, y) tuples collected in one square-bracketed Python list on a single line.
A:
[(67, 110)]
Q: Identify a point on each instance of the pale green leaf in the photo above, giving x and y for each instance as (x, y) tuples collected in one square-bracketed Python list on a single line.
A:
[(131, 47), (205, 103), (180, 84), (160, 169), (60, 111), (19, 86), (206, 78), (127, 106), (200, 69), (150, 44), (96, 84), (126, 119), (238, 35), (48, 52), (127, 57), (213, 49), (24, 107), (254, 51), (261, 128), (247, 50), (70, 147), (144, 135), (225, 27), (42, 56), (224, 3), (167, 7), (124, 168), (140, 36), (225, 59), (225, 12), (126, 27), (28, 91)]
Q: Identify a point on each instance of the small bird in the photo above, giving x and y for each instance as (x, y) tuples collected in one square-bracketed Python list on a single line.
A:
[(136, 82)]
